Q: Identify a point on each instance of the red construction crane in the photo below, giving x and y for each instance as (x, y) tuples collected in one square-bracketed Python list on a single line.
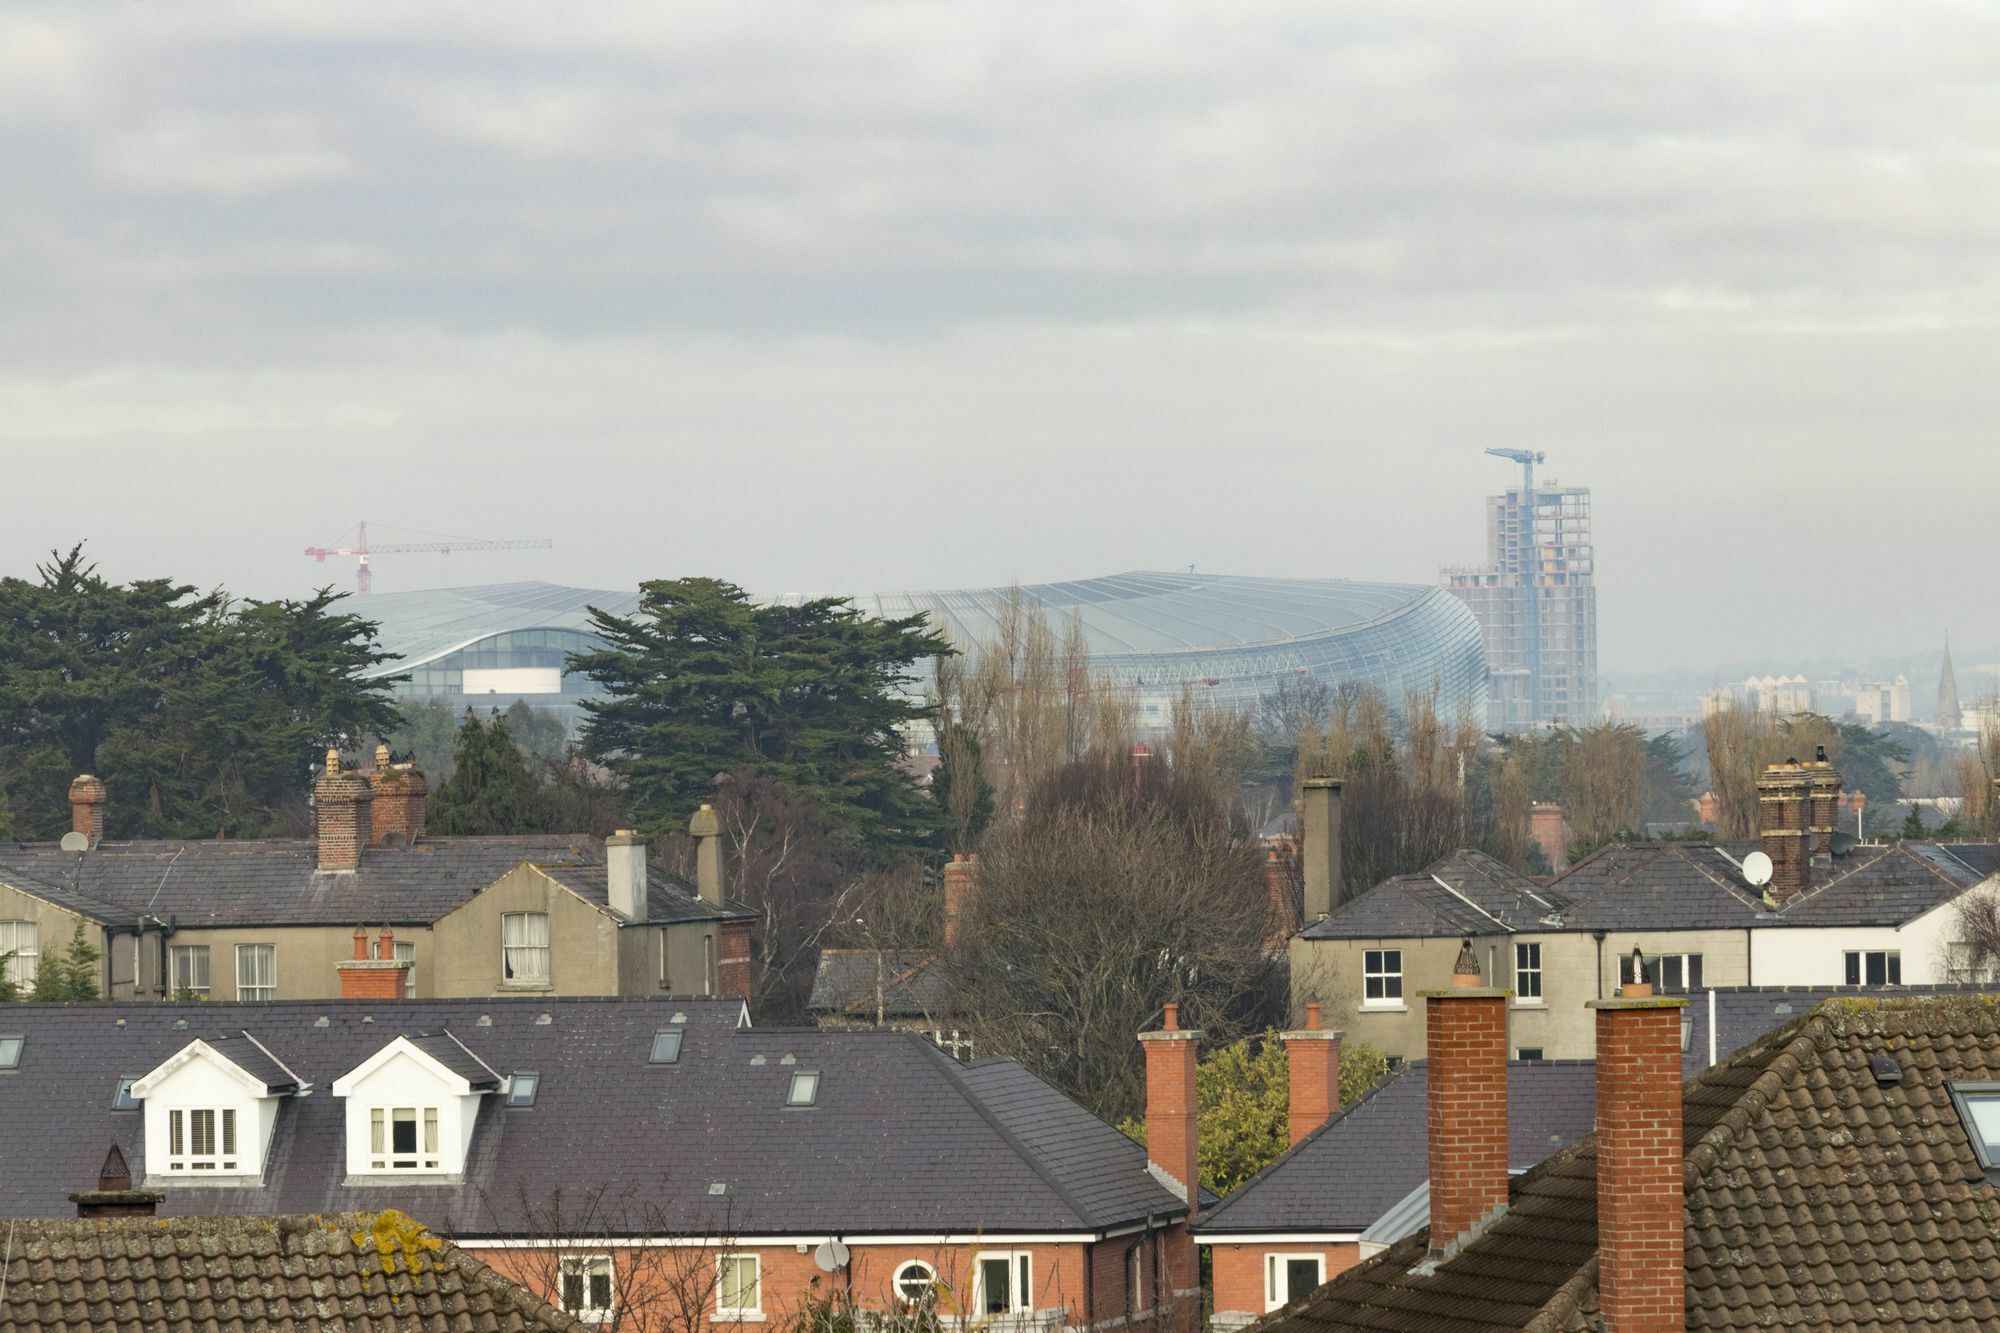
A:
[(363, 579)]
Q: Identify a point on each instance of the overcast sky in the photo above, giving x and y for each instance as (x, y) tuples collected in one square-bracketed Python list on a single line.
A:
[(828, 297)]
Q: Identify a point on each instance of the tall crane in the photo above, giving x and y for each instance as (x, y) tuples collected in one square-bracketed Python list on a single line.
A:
[(364, 578), (1528, 569)]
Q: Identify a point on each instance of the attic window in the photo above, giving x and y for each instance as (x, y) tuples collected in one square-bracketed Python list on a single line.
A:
[(521, 1088), (122, 1099), (667, 1047), (10, 1051), (1979, 1107), (804, 1090)]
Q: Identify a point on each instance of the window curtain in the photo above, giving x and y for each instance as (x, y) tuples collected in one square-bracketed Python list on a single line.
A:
[(524, 939)]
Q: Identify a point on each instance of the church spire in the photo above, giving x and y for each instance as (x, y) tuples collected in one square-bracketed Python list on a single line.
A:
[(1947, 695)]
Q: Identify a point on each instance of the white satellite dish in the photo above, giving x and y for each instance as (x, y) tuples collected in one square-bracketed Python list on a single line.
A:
[(1757, 869), (75, 842), (831, 1257)]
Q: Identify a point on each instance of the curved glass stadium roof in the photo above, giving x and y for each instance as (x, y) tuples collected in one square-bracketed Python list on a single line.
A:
[(1238, 637)]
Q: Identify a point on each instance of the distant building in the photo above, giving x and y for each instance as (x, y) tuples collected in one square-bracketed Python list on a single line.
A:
[(1947, 713), (1783, 695), (1536, 603), (1877, 701)]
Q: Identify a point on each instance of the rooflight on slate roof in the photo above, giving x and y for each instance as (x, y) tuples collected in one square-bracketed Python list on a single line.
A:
[(719, 1187), (666, 1047), (521, 1088), (10, 1051), (122, 1098), (804, 1090), (1979, 1107)]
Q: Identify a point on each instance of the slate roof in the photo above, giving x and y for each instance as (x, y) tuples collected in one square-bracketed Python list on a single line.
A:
[(454, 1055), (1361, 1163), (239, 1274), (1659, 886), (247, 1054), (901, 1138), (1478, 896), (1817, 1197), (277, 881), (913, 984), (1741, 1014)]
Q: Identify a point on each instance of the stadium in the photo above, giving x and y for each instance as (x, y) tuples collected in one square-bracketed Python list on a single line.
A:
[(1235, 638)]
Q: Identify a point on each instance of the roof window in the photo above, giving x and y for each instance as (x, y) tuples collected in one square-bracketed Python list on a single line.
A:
[(10, 1051), (1979, 1107), (122, 1099), (667, 1047), (804, 1090), (522, 1087)]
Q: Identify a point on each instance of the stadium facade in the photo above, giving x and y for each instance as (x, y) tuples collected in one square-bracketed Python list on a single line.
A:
[(1235, 638)]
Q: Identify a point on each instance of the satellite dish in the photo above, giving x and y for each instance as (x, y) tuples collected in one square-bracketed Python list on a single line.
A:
[(1757, 869), (831, 1257), (75, 842)]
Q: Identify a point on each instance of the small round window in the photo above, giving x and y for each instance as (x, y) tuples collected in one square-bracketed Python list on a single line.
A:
[(914, 1281)]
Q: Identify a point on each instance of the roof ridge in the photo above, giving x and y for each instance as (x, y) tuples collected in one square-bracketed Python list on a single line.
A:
[(952, 1071)]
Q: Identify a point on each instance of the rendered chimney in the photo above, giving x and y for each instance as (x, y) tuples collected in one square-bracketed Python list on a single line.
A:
[(1465, 1041), (625, 866), (1546, 826), (87, 799), (961, 886), (402, 798), (1170, 1106), (379, 978), (707, 830), (341, 802), (1783, 827), (1641, 1199), (1319, 828), (1312, 1062), (114, 1195)]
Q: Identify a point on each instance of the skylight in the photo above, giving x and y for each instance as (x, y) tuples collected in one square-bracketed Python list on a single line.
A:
[(521, 1088), (804, 1090), (10, 1051), (122, 1099), (667, 1047), (1979, 1107)]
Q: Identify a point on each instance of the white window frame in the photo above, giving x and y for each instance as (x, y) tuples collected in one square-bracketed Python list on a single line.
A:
[(584, 1267), (190, 952), (755, 1310), (225, 1154), (1382, 972), (1861, 957), (266, 990), (424, 1160), (1276, 1262), (1020, 1282), (1528, 970), (523, 950), (27, 957), (1959, 970), (406, 954), (1656, 968), (896, 1282)]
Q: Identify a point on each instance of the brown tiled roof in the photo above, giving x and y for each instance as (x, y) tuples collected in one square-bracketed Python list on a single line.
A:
[(1817, 1197), (229, 1274)]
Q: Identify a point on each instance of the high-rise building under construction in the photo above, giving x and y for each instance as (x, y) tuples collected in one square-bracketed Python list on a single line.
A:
[(1536, 602)]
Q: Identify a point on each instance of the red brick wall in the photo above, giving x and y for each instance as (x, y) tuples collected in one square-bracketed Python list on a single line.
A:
[(371, 981), (402, 796), (1466, 1042), (732, 965), (1236, 1272), (1641, 1206)]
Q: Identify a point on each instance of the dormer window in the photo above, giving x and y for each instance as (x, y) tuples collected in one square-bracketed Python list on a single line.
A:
[(202, 1139), (403, 1138), (210, 1109), (411, 1107)]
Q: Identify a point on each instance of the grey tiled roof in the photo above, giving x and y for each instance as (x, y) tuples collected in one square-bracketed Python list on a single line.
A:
[(1478, 895), (1817, 1196), (277, 882), (1361, 1163), (247, 1054), (454, 1055), (900, 1138), (246, 1274), (913, 985)]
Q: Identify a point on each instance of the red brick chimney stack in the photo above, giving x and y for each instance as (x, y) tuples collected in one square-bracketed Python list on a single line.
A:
[(1312, 1062), (87, 799), (1466, 1043), (1824, 780), (1641, 1198), (1319, 846), (1546, 826), (1708, 809), (961, 886), (381, 977), (341, 802), (402, 799), (1170, 1106), (1784, 826)]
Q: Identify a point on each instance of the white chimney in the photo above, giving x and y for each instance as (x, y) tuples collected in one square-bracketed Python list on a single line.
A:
[(625, 863)]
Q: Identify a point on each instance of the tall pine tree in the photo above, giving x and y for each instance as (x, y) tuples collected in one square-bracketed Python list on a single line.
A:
[(491, 789)]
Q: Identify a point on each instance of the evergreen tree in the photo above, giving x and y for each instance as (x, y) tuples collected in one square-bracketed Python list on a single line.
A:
[(701, 681), (69, 973), (1913, 824), (491, 789)]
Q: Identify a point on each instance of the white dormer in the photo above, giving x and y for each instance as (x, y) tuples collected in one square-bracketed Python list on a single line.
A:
[(209, 1117), (411, 1108)]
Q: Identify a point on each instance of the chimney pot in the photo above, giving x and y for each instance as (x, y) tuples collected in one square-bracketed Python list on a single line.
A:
[(360, 943), (385, 947)]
